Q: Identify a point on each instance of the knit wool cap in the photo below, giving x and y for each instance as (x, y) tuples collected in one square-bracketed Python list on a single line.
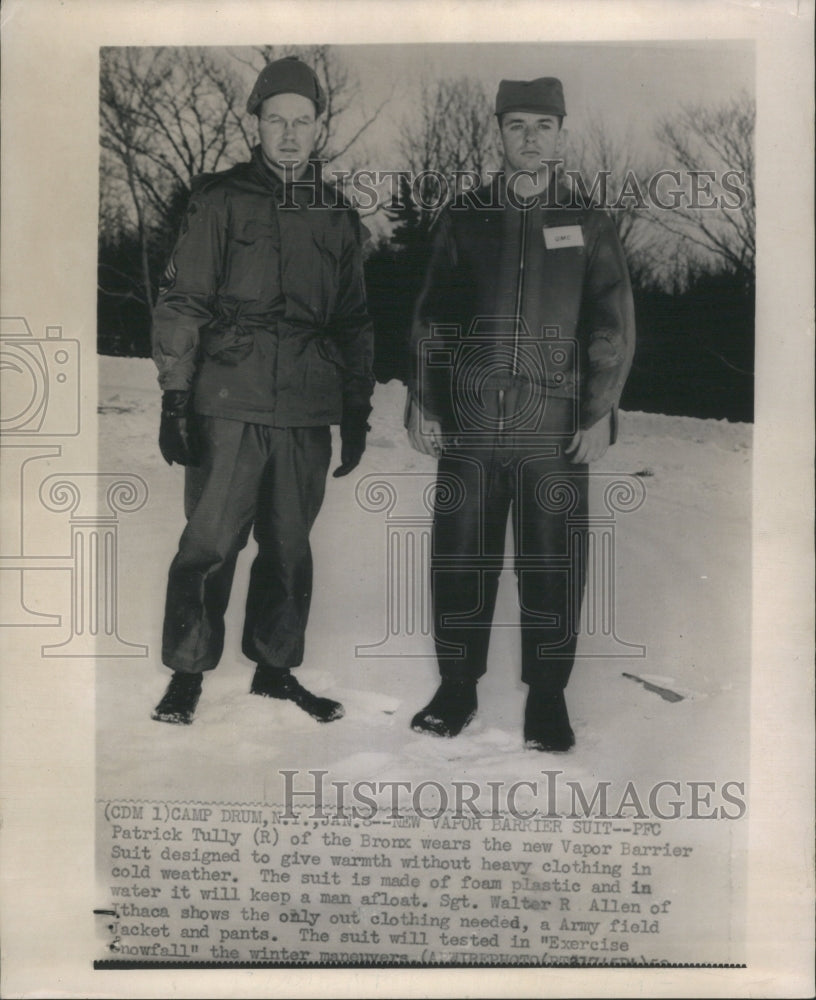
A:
[(287, 76), (544, 96)]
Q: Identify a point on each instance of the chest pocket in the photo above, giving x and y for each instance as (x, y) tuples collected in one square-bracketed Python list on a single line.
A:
[(310, 249), (254, 262)]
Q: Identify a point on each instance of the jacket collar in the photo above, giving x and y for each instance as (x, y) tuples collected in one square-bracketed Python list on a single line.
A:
[(550, 197), (311, 177)]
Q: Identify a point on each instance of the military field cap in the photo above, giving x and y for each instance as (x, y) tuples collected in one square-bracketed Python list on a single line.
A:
[(544, 96), (287, 76)]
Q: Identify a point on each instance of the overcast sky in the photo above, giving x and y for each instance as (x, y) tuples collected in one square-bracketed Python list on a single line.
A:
[(629, 85)]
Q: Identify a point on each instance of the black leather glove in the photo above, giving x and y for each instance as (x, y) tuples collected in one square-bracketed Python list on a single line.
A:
[(353, 430), (178, 441)]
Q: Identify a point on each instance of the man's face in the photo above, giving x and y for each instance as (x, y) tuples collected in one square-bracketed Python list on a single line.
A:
[(287, 128), (528, 138)]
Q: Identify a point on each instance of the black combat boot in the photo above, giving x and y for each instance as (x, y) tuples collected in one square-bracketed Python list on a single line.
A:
[(546, 722), (270, 682), (450, 709), (180, 699)]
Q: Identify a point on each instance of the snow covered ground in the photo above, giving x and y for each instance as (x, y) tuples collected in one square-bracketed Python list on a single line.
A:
[(682, 590)]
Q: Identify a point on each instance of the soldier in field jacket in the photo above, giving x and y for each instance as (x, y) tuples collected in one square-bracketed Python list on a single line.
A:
[(522, 341), (262, 339)]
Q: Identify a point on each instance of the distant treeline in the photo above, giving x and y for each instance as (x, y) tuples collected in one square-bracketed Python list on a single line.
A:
[(695, 350)]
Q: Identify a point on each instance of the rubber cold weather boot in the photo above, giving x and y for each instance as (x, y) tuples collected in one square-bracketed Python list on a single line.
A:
[(270, 682), (546, 722), (450, 709), (180, 699)]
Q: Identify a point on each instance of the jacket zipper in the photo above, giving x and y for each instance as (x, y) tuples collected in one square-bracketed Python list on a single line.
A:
[(519, 290)]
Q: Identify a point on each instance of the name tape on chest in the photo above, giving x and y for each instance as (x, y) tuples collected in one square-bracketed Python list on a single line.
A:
[(558, 237)]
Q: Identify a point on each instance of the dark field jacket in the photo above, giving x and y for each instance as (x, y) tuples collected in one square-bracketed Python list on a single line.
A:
[(262, 310)]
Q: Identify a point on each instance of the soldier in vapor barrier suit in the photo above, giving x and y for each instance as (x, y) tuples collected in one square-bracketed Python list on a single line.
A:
[(522, 341)]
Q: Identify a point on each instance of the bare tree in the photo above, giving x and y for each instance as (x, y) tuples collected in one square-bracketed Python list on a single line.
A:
[(454, 133), (604, 166), (165, 116), (714, 146), (451, 132)]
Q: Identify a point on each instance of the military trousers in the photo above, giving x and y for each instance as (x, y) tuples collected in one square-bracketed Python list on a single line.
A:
[(268, 480), (530, 478)]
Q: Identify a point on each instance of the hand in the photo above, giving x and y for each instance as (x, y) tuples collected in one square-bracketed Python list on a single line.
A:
[(178, 440), (591, 443), (424, 435), (353, 430)]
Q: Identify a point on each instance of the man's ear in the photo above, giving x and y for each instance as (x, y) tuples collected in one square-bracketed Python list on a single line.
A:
[(562, 140)]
